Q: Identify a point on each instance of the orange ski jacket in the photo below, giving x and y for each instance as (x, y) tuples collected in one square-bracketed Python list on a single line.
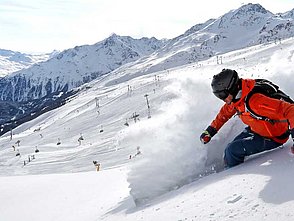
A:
[(280, 111)]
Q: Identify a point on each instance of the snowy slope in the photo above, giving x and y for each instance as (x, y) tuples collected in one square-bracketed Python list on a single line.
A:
[(166, 179)]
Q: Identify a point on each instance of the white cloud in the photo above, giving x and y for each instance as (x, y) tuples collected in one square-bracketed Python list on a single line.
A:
[(42, 26)]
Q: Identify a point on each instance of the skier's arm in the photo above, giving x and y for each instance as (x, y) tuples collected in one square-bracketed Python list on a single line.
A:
[(225, 113)]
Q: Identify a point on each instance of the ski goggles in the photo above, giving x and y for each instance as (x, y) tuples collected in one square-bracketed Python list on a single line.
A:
[(221, 94)]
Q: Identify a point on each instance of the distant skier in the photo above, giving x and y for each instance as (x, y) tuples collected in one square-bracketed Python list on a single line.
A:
[(17, 142), (138, 151), (97, 165), (18, 153), (270, 120), (81, 138), (58, 142)]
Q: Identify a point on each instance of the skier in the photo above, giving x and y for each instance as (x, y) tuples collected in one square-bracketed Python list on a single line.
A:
[(138, 151), (270, 121), (97, 165)]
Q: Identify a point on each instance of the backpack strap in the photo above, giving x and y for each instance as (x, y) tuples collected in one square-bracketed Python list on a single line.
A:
[(261, 90), (270, 89)]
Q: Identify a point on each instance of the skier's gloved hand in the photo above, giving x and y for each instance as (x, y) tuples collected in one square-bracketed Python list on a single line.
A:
[(207, 134), (205, 137), (292, 134)]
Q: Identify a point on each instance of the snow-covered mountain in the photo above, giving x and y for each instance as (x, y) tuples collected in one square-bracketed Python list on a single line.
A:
[(248, 25), (25, 94), (74, 67), (11, 61)]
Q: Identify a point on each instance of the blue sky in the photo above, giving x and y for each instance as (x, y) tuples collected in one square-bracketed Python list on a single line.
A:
[(38, 26)]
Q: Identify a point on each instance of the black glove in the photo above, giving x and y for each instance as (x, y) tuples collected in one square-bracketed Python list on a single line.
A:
[(207, 134)]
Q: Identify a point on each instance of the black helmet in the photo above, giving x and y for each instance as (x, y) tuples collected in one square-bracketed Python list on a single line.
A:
[(224, 83)]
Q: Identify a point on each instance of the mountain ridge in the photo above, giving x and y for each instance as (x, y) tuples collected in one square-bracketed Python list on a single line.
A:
[(248, 25), (74, 67)]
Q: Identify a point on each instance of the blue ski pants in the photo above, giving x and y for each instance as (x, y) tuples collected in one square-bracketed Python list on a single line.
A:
[(245, 144)]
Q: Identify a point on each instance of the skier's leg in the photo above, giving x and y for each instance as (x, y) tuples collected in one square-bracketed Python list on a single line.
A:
[(245, 144), (234, 153)]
